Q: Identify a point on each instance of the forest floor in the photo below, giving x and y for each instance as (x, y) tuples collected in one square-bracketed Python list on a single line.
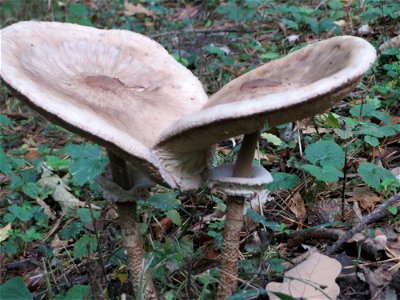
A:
[(49, 252)]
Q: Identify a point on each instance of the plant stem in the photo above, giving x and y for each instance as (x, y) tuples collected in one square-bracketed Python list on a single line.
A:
[(234, 220), (132, 239)]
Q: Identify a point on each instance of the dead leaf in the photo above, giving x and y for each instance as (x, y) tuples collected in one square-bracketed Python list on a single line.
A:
[(60, 192), (297, 207), (161, 227), (377, 279), (58, 245), (5, 232), (32, 154), (367, 199), (314, 278), (131, 9), (187, 12)]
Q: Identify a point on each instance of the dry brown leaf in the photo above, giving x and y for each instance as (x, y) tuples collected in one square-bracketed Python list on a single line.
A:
[(161, 227), (32, 154), (297, 207), (314, 278), (131, 9), (60, 192), (58, 245)]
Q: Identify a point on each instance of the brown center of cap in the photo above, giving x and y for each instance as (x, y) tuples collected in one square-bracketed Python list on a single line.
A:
[(104, 82)]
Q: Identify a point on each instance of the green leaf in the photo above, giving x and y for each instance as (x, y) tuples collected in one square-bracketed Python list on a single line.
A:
[(269, 55), (164, 201), (23, 212), (331, 121), (15, 288), (31, 190), (77, 10), (393, 210), (88, 161), (85, 215), (257, 218), (374, 175), (4, 120), (77, 292), (283, 181), (71, 231), (5, 163), (325, 153), (276, 264), (57, 163), (214, 50), (373, 141), (273, 139), (326, 173), (84, 246), (174, 216), (248, 294), (31, 235)]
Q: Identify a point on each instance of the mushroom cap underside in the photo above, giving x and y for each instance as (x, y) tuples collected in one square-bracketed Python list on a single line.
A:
[(301, 84), (118, 87)]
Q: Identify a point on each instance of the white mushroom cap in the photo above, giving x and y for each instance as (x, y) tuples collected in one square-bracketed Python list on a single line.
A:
[(301, 84), (117, 87)]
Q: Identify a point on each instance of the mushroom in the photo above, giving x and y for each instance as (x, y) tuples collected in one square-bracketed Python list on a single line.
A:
[(304, 83), (115, 87), (125, 92)]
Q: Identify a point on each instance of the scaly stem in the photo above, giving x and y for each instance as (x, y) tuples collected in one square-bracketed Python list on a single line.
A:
[(234, 220), (130, 232)]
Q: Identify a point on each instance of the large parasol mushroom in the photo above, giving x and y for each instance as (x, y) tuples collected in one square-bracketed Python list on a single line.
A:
[(125, 92)]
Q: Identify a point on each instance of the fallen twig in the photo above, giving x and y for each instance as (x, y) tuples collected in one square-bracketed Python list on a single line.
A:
[(379, 213)]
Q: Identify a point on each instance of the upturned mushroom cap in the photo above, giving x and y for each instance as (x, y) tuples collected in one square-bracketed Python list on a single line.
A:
[(116, 87), (301, 84)]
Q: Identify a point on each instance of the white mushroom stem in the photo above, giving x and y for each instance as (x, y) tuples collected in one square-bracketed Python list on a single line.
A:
[(234, 220), (132, 240)]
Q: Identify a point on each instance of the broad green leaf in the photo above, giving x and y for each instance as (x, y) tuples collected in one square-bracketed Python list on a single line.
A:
[(88, 161), (276, 264), (392, 209), (325, 153), (71, 231), (31, 190), (257, 218), (283, 181), (373, 141), (164, 201), (270, 55), (331, 121), (77, 292), (84, 246), (326, 173), (85, 215), (374, 175), (23, 212), (214, 50), (174, 216), (15, 288)]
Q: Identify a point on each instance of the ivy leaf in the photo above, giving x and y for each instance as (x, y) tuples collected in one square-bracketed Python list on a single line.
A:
[(257, 218), (88, 161), (31, 190), (325, 153), (85, 215), (71, 231), (326, 173), (23, 212), (282, 181), (374, 175), (15, 288), (164, 201)]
